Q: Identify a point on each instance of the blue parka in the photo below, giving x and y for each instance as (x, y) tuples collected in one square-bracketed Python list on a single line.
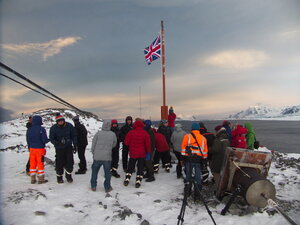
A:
[(36, 135)]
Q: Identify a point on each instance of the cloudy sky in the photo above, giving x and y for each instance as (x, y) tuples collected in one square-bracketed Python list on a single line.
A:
[(221, 56)]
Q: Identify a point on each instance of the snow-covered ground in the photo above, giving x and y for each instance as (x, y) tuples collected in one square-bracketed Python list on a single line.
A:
[(155, 203)]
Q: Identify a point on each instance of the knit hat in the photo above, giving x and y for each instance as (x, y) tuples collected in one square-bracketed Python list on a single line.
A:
[(114, 122), (148, 124), (195, 126), (59, 117), (226, 122)]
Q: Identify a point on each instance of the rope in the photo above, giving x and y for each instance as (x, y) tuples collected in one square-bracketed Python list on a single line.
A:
[(237, 166)]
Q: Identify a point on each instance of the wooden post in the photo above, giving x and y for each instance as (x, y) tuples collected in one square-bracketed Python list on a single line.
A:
[(164, 107)]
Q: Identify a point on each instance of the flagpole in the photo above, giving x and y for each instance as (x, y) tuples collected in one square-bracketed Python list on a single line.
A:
[(164, 107)]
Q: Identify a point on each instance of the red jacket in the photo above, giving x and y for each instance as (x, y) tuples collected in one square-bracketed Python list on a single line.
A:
[(138, 141), (161, 144), (171, 120), (238, 139)]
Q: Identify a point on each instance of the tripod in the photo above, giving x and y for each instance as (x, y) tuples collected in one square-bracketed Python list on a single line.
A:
[(187, 189)]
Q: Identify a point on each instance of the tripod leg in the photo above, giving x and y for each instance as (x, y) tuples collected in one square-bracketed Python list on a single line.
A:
[(180, 217), (229, 203)]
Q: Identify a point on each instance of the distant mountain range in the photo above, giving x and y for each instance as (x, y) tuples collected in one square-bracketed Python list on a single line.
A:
[(261, 111)]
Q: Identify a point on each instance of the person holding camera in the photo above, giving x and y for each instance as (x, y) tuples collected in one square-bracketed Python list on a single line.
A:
[(63, 137), (194, 151)]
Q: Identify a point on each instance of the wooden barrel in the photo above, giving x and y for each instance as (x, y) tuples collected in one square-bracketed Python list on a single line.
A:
[(254, 186)]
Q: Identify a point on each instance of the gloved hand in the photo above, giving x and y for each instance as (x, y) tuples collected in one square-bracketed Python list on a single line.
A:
[(75, 149), (148, 156)]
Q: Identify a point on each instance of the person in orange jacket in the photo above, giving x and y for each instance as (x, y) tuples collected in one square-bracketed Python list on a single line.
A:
[(37, 138), (194, 151)]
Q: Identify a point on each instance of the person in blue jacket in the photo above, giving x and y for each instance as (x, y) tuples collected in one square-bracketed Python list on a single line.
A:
[(37, 139)]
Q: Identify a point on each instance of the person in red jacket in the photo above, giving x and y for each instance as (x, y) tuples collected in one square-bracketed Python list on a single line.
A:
[(238, 139), (171, 118), (139, 144), (162, 152)]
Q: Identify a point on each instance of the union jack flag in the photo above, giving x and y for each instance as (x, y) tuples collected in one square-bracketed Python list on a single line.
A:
[(153, 51)]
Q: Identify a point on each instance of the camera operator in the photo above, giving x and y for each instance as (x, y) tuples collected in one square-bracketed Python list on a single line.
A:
[(194, 152)]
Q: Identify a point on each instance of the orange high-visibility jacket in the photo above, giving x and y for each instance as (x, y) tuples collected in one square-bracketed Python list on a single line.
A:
[(188, 140)]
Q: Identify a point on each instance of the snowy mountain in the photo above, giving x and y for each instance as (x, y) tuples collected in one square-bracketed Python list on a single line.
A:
[(261, 111), (155, 203)]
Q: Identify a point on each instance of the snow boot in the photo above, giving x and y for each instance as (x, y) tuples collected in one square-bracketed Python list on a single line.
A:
[(127, 179), (59, 179), (69, 177), (114, 173), (138, 181), (205, 174), (33, 179), (167, 167), (155, 168), (80, 172), (41, 179), (150, 179)]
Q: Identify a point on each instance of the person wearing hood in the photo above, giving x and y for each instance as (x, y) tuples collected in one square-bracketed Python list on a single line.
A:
[(139, 144), (238, 139), (63, 137), (82, 142), (176, 140), (250, 136), (36, 137), (194, 151), (115, 151), (171, 118), (149, 162), (125, 149), (102, 144), (218, 151)]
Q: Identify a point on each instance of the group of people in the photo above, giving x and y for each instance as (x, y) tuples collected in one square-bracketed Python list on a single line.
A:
[(142, 146), (67, 140)]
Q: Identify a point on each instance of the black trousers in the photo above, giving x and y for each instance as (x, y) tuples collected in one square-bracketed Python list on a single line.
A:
[(115, 158), (125, 151), (81, 156), (28, 166), (164, 156), (149, 166), (64, 160), (140, 166), (178, 167)]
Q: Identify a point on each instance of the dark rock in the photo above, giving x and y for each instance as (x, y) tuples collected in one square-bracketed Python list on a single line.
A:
[(68, 205), (145, 222), (157, 201), (39, 213)]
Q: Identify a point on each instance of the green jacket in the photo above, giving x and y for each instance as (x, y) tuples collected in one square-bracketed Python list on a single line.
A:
[(250, 136)]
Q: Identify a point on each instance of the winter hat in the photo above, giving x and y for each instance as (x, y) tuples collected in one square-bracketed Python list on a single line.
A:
[(195, 126), (148, 124), (59, 117), (171, 110), (226, 122), (76, 118), (114, 122)]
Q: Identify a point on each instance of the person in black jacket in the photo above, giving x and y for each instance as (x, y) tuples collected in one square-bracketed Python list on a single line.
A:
[(165, 130), (82, 142), (114, 127), (123, 132), (210, 137), (63, 137)]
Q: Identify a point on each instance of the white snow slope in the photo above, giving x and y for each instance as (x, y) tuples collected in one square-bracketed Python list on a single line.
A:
[(157, 202)]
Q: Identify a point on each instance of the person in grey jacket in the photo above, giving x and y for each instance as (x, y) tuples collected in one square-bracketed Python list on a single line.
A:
[(103, 143), (176, 140)]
